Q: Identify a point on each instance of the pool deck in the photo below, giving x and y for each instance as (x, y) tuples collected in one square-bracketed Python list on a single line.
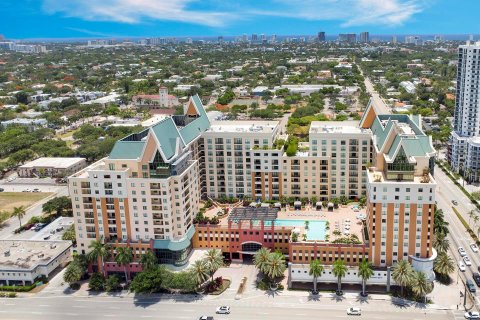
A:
[(339, 219)]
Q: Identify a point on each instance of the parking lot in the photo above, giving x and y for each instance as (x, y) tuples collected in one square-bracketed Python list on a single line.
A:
[(48, 231)]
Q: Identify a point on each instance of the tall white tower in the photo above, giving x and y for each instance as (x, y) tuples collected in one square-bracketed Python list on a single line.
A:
[(465, 139), (163, 97)]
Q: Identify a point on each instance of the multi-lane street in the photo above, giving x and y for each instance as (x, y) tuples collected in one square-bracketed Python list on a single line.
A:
[(446, 192), (185, 307)]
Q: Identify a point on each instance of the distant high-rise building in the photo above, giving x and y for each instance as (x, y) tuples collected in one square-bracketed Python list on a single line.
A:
[(274, 38), (254, 37), (220, 39), (470, 37), (347, 37), (189, 41), (464, 145), (2, 37), (244, 37), (321, 36), (364, 37), (413, 40), (394, 39), (438, 37)]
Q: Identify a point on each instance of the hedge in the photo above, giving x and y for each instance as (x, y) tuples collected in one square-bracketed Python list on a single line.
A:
[(17, 288)]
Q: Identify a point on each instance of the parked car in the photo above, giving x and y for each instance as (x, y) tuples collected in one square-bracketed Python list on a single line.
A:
[(205, 318), (474, 247), (462, 251), (59, 229), (455, 202), (36, 190), (472, 315), (476, 277), (461, 266), (27, 190), (39, 226), (223, 310), (467, 261), (46, 237), (1, 189), (471, 286), (354, 311)]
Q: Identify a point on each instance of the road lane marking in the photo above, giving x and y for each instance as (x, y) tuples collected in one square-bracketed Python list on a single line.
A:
[(44, 305)]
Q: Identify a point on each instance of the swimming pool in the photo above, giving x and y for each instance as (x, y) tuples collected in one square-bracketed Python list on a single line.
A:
[(316, 228)]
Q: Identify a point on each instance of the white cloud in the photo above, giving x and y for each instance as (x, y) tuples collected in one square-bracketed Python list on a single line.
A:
[(218, 13), (351, 12), (135, 11)]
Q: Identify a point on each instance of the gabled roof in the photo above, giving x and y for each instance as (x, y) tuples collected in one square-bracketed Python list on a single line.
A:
[(405, 130), (170, 137)]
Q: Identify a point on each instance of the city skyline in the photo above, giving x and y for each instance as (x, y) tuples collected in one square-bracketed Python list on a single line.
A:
[(114, 18)]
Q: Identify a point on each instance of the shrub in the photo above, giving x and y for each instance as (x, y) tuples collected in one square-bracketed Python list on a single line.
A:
[(97, 282), (112, 283), (17, 288)]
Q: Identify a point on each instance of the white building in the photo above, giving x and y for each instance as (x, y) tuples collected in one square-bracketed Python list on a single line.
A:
[(464, 145), (22, 261), (51, 167)]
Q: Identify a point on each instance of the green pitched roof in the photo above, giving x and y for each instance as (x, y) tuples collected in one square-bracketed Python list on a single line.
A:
[(197, 126), (167, 134), (127, 150)]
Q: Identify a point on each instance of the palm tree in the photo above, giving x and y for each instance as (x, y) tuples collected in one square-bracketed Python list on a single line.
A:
[(124, 256), (402, 274), (339, 269), (441, 243), (19, 212), (475, 219), (420, 284), (99, 251), (316, 269), (471, 214), (148, 260), (439, 223), (365, 271), (73, 273), (260, 259), (200, 271), (444, 264), (214, 260), (275, 265)]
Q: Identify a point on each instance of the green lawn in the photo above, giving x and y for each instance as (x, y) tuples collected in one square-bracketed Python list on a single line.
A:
[(9, 200)]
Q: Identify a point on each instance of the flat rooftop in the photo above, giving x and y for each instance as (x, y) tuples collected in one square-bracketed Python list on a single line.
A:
[(28, 254), (336, 127), (53, 162), (243, 126)]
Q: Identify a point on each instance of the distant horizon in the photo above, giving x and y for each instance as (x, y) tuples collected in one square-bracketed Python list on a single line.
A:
[(329, 37)]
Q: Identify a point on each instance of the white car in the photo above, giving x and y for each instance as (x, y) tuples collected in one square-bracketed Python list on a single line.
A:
[(472, 315), (467, 261), (354, 311), (461, 266), (223, 310), (474, 247), (462, 251)]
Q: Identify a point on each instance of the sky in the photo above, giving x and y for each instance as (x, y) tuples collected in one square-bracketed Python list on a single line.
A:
[(29, 19)]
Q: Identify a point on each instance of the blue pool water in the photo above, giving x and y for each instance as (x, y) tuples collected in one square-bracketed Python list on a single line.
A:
[(316, 228)]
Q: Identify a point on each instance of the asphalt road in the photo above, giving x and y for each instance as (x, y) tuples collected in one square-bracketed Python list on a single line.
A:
[(377, 100), (70, 307), (446, 192)]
